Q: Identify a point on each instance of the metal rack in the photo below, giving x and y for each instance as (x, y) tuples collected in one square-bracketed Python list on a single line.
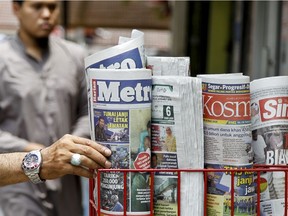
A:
[(257, 169)]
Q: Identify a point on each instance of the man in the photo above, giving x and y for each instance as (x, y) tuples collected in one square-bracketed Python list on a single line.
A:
[(42, 97), (117, 206), (259, 147), (56, 160), (154, 161), (170, 140), (100, 130)]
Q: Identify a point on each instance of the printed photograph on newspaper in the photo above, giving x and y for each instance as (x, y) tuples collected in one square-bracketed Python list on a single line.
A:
[(164, 138), (219, 190), (221, 205), (165, 195), (219, 183), (111, 125), (112, 186), (270, 145)]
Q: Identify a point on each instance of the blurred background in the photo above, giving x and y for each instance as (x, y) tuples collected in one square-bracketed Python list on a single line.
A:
[(218, 36)]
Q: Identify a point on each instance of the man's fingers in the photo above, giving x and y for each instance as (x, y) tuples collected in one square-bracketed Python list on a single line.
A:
[(80, 171), (103, 150), (90, 157), (93, 155), (91, 164)]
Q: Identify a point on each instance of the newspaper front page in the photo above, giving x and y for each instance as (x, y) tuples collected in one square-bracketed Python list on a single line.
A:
[(177, 142), (119, 99), (227, 141), (121, 114), (269, 99)]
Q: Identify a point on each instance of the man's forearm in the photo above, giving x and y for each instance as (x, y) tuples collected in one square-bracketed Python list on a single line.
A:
[(33, 146), (10, 168)]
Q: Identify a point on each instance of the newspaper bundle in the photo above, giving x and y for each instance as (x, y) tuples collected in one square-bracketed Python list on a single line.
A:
[(177, 142), (227, 141), (269, 99), (119, 93), (168, 66)]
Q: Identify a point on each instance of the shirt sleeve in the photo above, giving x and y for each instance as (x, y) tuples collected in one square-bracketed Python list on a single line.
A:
[(10, 143), (81, 127)]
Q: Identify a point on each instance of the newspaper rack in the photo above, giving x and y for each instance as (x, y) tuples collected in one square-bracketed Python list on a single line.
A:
[(94, 211)]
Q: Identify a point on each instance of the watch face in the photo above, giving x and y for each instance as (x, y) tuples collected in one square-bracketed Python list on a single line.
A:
[(31, 161)]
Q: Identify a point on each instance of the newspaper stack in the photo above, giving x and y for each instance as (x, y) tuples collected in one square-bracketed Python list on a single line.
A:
[(227, 141), (269, 99), (119, 93), (177, 137)]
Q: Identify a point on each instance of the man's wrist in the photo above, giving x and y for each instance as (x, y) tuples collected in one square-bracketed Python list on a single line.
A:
[(31, 166)]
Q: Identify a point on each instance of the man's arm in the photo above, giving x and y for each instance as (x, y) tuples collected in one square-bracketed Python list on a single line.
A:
[(10, 168), (56, 160)]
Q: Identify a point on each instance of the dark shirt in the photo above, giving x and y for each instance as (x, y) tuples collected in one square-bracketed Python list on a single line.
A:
[(100, 133)]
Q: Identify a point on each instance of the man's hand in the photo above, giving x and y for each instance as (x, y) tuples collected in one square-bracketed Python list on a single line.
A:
[(56, 158)]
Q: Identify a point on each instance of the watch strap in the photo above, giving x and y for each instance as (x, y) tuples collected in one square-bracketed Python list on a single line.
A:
[(33, 174)]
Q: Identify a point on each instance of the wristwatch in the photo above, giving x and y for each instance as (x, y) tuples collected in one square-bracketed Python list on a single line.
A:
[(31, 165)]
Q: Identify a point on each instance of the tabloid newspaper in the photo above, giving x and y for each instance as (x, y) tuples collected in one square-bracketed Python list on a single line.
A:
[(119, 93), (177, 142), (227, 141), (269, 115)]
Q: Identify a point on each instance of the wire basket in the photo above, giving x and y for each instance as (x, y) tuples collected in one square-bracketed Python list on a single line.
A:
[(257, 169)]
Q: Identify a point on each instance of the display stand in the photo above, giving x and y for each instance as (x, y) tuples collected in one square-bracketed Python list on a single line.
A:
[(94, 211)]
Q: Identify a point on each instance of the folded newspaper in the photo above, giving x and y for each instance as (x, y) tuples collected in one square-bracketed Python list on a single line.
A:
[(269, 99), (177, 142), (227, 135), (177, 136), (226, 113), (119, 93), (168, 66)]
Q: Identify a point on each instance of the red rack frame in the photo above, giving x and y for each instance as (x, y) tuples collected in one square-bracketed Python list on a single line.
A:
[(93, 211)]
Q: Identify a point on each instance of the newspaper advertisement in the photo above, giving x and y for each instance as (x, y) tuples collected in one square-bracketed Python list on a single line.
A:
[(269, 99), (219, 190), (226, 113), (171, 148), (121, 117)]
